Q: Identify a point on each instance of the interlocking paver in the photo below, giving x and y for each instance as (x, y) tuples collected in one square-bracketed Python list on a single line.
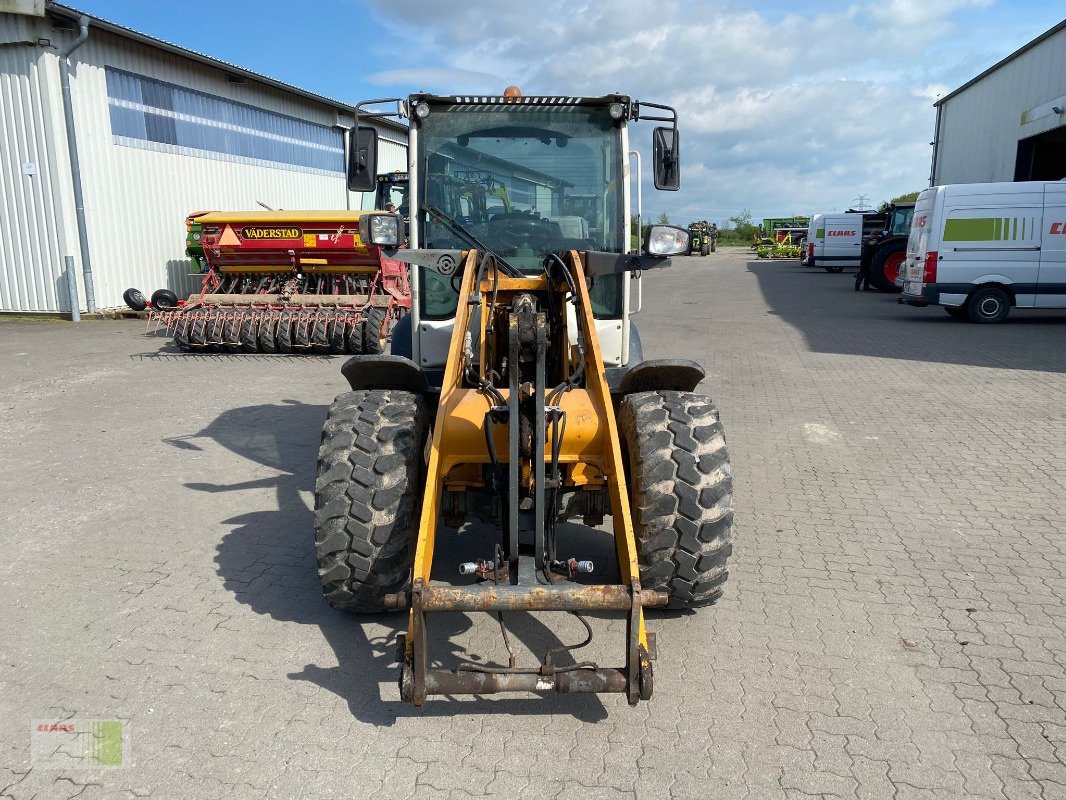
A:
[(894, 626)]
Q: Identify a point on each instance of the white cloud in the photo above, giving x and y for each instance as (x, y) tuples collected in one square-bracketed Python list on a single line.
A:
[(779, 113)]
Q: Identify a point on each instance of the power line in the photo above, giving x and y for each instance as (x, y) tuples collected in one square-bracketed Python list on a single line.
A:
[(861, 203)]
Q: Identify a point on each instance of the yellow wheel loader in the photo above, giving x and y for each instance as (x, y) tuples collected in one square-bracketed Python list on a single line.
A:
[(516, 392)]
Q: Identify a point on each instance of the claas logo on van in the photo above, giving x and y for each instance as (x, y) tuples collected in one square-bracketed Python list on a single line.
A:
[(919, 222), (1058, 228), (842, 233)]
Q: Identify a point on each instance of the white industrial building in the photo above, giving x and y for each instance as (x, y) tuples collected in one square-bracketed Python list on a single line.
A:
[(160, 132), (1008, 123)]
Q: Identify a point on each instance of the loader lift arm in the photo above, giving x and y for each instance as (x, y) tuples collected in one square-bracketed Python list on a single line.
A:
[(495, 402), (469, 417)]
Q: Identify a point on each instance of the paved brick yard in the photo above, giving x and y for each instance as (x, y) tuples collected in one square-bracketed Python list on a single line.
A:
[(894, 626)]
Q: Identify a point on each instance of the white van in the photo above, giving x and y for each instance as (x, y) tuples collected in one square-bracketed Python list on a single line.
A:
[(815, 234), (979, 248), (840, 242)]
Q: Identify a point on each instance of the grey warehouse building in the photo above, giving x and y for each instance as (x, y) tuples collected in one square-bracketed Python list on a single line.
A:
[(160, 132), (1009, 122)]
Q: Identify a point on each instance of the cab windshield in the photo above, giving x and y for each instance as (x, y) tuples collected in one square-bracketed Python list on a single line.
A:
[(525, 181), (900, 224)]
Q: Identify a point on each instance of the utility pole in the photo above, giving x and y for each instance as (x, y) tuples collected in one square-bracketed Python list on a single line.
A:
[(862, 203)]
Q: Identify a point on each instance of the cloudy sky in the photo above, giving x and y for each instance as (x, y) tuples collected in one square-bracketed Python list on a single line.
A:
[(785, 107)]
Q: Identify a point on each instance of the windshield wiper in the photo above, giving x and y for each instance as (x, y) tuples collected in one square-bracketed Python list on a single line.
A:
[(457, 229)]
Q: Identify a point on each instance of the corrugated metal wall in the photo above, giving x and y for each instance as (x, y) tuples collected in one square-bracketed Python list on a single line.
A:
[(136, 198), (981, 126), (31, 247)]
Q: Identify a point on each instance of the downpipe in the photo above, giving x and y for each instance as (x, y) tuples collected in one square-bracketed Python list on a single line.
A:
[(75, 163)]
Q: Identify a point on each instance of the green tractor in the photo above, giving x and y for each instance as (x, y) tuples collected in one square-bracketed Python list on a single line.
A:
[(704, 236)]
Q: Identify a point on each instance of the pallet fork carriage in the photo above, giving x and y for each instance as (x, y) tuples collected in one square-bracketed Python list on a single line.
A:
[(534, 418)]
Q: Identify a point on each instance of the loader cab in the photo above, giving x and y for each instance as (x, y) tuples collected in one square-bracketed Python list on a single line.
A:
[(524, 177)]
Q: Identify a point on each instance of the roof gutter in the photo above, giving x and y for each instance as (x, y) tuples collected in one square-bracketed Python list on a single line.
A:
[(75, 164)]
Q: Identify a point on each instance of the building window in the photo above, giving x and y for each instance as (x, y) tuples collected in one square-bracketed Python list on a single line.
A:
[(156, 115)]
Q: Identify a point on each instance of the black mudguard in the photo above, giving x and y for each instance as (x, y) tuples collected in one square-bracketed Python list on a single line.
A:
[(385, 372), (669, 374)]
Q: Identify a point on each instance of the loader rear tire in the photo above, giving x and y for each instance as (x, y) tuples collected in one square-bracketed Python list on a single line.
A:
[(681, 492), (367, 496)]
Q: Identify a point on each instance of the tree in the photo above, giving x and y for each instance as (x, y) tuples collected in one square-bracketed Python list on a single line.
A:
[(741, 219), (664, 219), (743, 225), (909, 197)]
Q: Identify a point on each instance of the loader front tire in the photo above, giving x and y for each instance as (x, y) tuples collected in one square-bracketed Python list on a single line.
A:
[(367, 496), (681, 492)]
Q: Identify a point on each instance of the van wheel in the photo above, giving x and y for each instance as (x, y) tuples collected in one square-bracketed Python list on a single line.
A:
[(956, 312), (833, 267), (988, 305)]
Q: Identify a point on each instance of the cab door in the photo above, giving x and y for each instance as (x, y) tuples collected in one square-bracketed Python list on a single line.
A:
[(1051, 283)]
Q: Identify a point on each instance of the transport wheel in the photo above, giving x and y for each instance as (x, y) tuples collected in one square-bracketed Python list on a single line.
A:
[(320, 334), (988, 305), (134, 299), (714, 245), (353, 336), (681, 493), (267, 335), (198, 331), (956, 312), (885, 268), (248, 334), (164, 300), (285, 323), (367, 496), (374, 340), (705, 249)]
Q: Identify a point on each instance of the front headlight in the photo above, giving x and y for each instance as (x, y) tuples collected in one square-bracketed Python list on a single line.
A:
[(381, 229), (667, 240)]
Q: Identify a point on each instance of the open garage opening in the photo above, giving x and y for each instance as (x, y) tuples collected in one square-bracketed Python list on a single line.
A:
[(1042, 157)]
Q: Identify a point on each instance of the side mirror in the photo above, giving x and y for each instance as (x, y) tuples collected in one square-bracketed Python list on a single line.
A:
[(667, 157), (362, 159)]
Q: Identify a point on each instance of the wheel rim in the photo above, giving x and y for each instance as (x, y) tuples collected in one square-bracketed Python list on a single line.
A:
[(989, 307), (891, 266)]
